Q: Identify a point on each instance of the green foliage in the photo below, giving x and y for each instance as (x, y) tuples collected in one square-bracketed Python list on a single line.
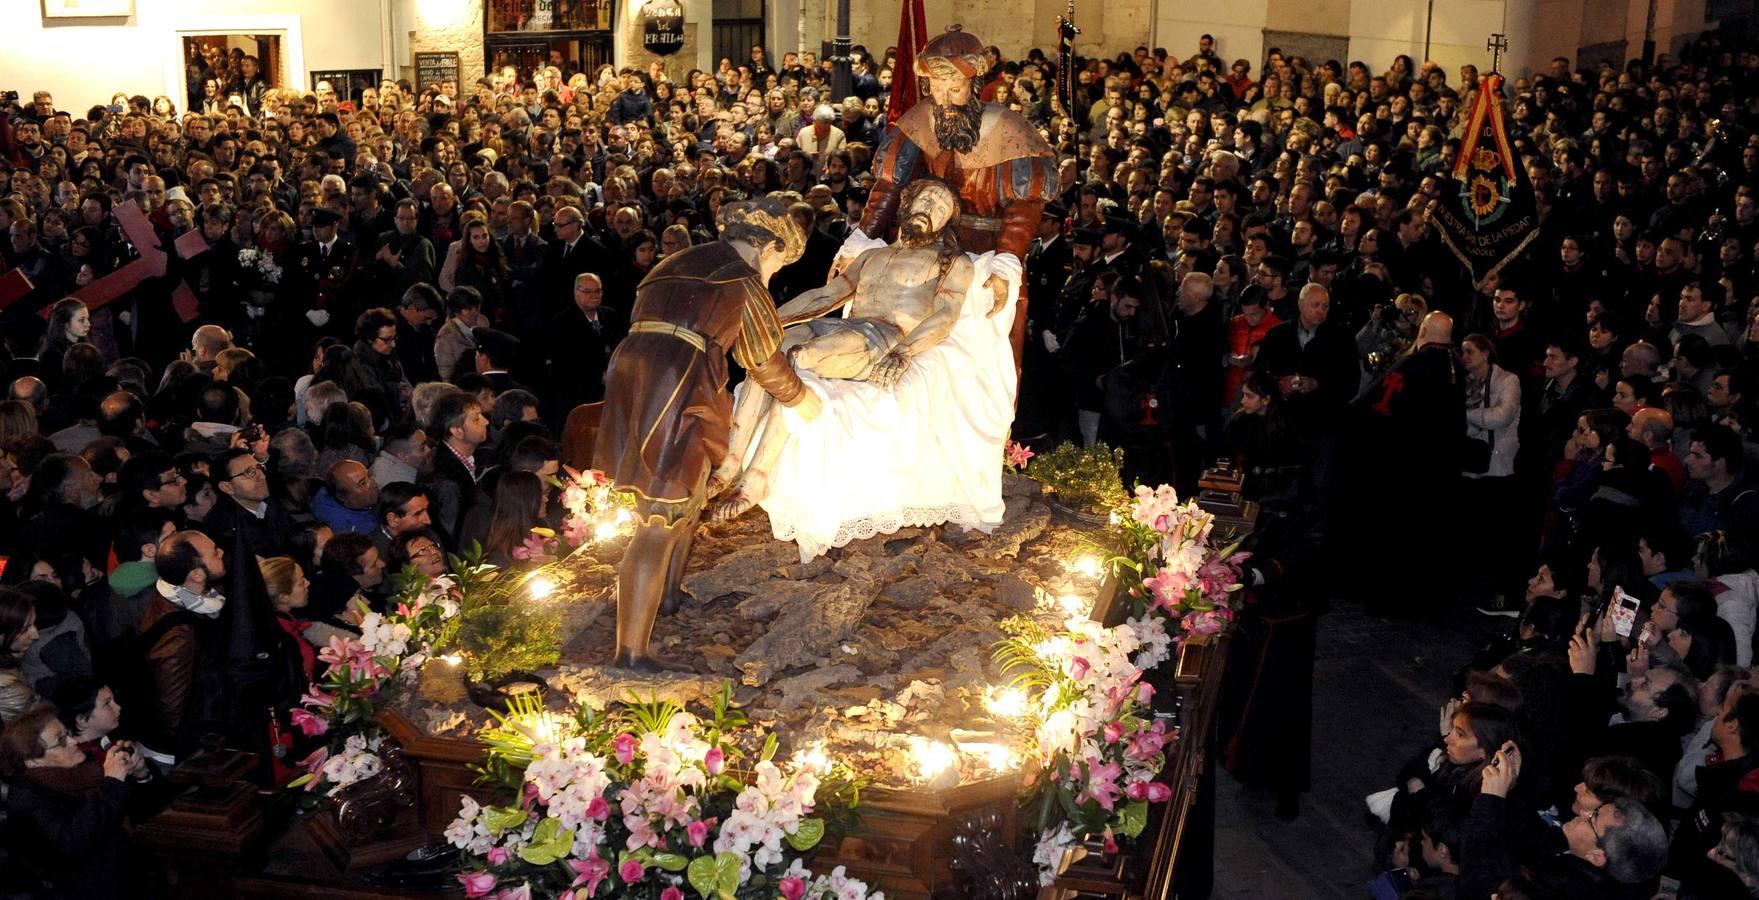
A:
[(503, 634), (1084, 480), (652, 715), (714, 876)]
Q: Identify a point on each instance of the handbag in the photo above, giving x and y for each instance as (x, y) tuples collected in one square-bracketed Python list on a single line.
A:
[(1475, 453)]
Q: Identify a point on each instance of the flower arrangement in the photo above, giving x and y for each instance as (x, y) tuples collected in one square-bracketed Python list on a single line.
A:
[(539, 546), (260, 264), (1084, 480), (651, 802), (1168, 565), (360, 672), (594, 511), (1097, 748)]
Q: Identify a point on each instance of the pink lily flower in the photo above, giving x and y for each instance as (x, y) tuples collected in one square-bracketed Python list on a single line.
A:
[(308, 724), (1078, 668), (1102, 785), (1114, 730), (589, 872)]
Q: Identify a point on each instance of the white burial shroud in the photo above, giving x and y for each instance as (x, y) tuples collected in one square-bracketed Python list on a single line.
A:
[(926, 452)]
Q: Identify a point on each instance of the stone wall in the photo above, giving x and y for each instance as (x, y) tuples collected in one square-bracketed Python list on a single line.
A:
[(626, 38), (442, 26)]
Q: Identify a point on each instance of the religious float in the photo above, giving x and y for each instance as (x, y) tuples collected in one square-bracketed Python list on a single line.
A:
[(892, 662)]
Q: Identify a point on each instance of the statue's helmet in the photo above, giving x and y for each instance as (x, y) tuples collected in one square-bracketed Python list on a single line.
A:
[(954, 50)]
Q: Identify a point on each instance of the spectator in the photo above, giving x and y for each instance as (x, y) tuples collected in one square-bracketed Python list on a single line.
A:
[(347, 501), (67, 815)]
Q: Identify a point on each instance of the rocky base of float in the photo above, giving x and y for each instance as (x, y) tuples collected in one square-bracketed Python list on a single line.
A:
[(858, 649)]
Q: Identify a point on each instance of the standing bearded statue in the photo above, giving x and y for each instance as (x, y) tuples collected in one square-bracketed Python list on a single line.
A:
[(1001, 168)]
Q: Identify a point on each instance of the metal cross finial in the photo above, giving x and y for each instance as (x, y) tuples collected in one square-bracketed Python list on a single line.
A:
[(1497, 45)]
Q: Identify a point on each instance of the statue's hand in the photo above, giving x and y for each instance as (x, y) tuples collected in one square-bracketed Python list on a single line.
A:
[(887, 372), (998, 286)]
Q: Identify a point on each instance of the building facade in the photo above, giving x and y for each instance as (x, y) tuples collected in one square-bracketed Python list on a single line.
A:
[(85, 60)]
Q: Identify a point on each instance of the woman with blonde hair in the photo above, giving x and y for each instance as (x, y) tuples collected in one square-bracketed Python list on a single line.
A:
[(289, 591)]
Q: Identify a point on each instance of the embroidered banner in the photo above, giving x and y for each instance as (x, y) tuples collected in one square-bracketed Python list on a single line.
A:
[(1487, 214)]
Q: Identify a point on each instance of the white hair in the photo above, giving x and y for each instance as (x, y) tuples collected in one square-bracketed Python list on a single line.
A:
[(824, 113)]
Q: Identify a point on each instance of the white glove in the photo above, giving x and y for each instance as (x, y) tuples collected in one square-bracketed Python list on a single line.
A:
[(1050, 341), (318, 317)]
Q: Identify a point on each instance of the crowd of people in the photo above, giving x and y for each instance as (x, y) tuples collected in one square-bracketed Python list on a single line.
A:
[(376, 312)]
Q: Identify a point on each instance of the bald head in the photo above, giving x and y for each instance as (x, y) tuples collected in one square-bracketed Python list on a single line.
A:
[(1194, 292), (1641, 358), (208, 341), (353, 486), (1652, 425), (30, 389), (1437, 328)]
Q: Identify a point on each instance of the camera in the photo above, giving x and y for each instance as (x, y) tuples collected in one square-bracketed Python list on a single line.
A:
[(1388, 314)]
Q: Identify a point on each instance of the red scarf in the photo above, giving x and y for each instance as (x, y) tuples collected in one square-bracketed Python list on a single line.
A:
[(308, 657)]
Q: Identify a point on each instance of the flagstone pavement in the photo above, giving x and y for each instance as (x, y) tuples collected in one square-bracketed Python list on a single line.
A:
[(1378, 684)]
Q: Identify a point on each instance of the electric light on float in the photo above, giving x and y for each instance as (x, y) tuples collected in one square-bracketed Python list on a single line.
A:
[(998, 757), (1006, 703), (936, 763), (541, 587), (1087, 566), (540, 725), (812, 759)]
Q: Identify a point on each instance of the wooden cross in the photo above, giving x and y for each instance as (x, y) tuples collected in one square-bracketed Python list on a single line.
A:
[(151, 264)]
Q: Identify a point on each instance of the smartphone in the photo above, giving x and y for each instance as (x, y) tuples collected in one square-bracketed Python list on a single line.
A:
[(1624, 612)]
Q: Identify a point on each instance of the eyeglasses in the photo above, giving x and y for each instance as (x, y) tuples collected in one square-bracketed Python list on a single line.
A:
[(175, 479), (65, 740), (1596, 831), (254, 470)]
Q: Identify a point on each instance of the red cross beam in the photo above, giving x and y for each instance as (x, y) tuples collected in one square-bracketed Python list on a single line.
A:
[(151, 264)]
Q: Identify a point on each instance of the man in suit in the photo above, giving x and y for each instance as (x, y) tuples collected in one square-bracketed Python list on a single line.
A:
[(571, 254), (581, 338), (1314, 362), (459, 427)]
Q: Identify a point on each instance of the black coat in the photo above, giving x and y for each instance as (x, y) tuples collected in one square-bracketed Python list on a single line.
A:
[(453, 491), (267, 536), (555, 282), (66, 825), (576, 355), (1329, 358)]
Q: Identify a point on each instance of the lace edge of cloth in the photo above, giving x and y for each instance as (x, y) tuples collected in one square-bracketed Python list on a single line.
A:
[(884, 523)]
